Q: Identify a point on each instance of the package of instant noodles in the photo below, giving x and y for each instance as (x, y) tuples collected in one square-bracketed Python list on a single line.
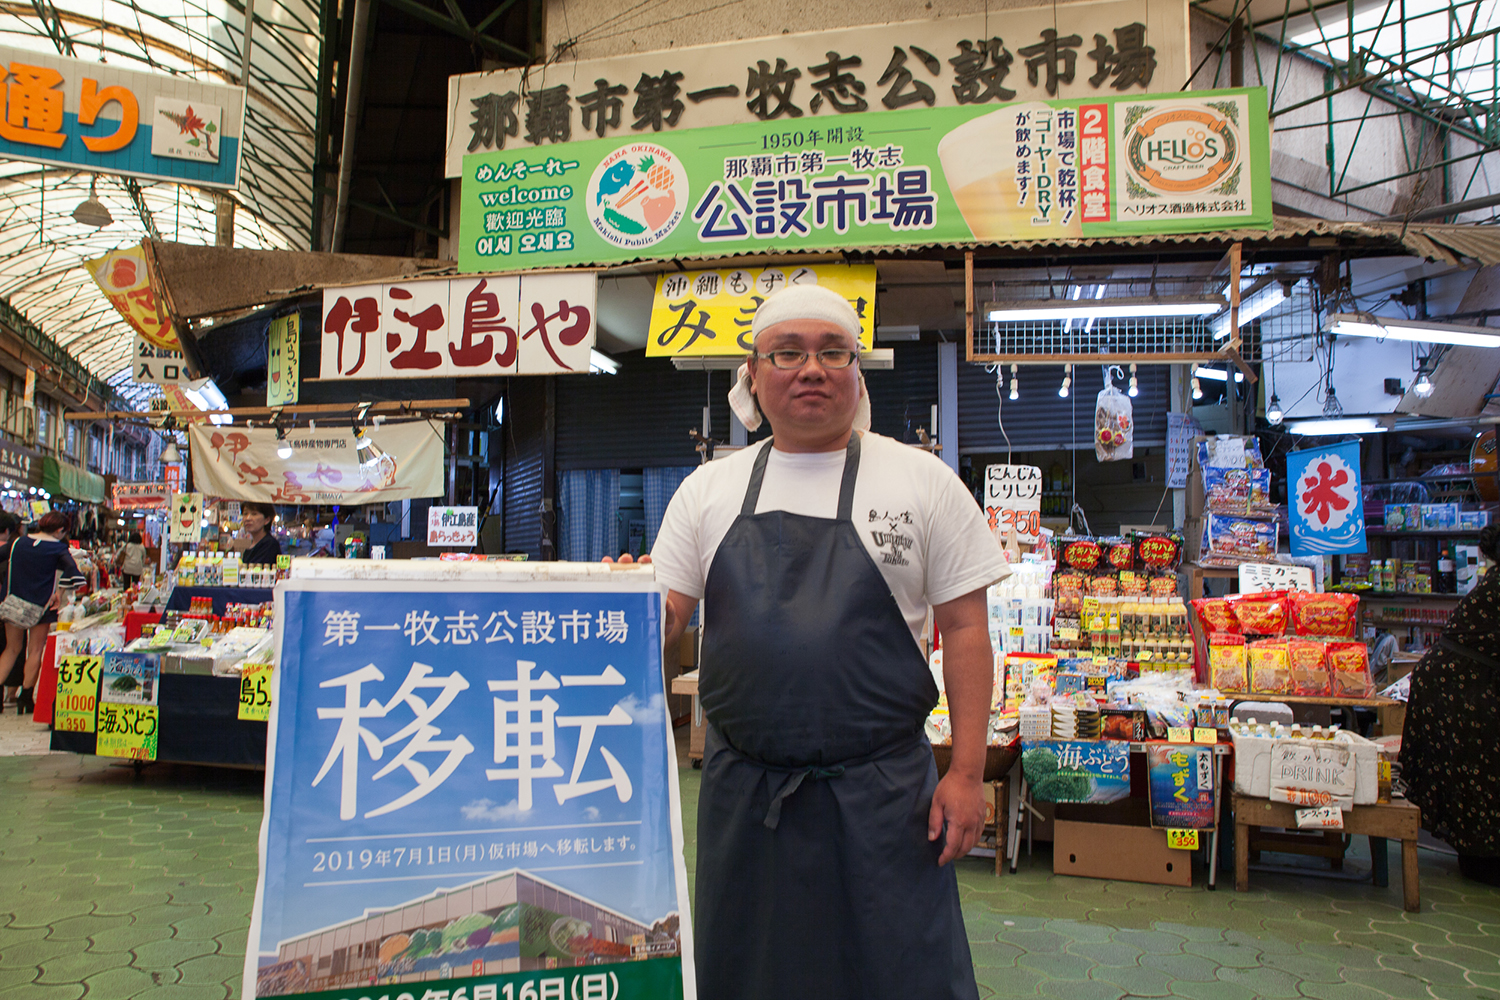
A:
[(1226, 662), (1217, 615), (1264, 613), (1270, 667), (1309, 667), (1331, 616), (1349, 669)]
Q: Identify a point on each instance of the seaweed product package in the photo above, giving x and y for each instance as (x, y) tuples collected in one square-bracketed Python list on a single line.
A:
[(1270, 667), (1309, 667), (1227, 662), (1264, 613), (1328, 615), (1349, 668)]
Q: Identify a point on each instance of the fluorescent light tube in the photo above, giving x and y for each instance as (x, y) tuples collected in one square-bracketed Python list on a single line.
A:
[(1218, 374), (1341, 425), (601, 363), (1067, 309), (1252, 308), (1355, 325)]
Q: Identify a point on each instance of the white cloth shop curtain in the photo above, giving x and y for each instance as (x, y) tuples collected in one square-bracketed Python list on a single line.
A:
[(589, 502), (658, 485)]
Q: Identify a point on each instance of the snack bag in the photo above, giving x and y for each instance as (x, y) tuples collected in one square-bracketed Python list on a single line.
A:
[(1081, 554), (1349, 669), (1328, 615), (1234, 539), (1261, 614), (1309, 667), (1217, 615), (1227, 491), (1270, 667), (1226, 662), (1120, 553), (1114, 425)]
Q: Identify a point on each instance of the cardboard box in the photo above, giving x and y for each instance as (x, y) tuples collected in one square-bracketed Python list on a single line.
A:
[(1126, 851)]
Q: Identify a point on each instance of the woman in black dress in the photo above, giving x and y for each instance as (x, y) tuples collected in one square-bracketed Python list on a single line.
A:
[(41, 567), (1450, 757), (10, 530)]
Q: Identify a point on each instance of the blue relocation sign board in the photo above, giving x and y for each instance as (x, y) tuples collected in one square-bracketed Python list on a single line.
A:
[(104, 119), (471, 788)]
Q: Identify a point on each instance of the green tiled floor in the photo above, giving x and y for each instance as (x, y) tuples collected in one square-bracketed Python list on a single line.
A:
[(118, 887)]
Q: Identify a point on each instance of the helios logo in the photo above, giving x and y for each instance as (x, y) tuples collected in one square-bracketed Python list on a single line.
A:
[(1182, 150)]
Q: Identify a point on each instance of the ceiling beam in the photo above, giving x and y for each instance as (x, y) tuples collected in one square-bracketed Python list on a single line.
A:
[(460, 28)]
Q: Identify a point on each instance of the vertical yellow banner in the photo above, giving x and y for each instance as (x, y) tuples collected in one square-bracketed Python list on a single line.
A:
[(283, 360)]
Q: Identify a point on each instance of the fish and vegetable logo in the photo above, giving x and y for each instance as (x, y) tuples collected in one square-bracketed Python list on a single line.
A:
[(638, 195)]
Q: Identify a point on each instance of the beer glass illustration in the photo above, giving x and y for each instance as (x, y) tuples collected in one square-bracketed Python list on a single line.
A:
[(979, 161)]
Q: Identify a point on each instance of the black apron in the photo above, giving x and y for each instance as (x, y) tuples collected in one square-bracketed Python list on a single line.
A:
[(815, 877)]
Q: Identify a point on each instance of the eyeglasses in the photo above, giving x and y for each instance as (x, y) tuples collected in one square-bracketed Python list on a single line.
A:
[(832, 358)]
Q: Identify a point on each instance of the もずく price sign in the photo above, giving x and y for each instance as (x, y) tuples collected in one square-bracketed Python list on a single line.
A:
[(77, 693), (1013, 499), (473, 781)]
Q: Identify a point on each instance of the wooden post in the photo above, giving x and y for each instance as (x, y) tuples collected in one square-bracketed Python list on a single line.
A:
[(969, 305)]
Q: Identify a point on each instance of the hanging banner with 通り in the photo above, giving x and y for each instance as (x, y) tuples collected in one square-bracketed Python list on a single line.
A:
[(1112, 46), (475, 783), (1325, 501), (125, 278), (283, 360), (1013, 499), (325, 468), (709, 312), (103, 118), (540, 324), (1039, 170)]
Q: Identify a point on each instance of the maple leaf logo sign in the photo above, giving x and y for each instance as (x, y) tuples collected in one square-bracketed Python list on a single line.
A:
[(1326, 492), (189, 124)]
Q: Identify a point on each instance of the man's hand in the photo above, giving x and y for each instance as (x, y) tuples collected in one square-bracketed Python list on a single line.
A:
[(959, 802), (627, 559)]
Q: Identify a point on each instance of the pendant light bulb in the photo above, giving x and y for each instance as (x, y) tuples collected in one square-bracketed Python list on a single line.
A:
[(1062, 390), (283, 446), (1197, 389), (1015, 392), (1274, 414), (1423, 386), (1135, 385)]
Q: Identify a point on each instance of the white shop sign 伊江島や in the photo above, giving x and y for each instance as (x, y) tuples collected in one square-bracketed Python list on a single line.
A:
[(809, 79), (452, 526), (462, 327)]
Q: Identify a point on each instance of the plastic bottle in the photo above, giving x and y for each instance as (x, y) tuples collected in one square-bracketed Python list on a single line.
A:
[(1447, 578)]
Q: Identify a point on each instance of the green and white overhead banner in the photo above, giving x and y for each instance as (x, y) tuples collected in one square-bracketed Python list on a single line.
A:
[(1035, 170)]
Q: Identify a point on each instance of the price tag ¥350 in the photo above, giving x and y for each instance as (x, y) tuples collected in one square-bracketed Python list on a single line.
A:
[(1182, 840)]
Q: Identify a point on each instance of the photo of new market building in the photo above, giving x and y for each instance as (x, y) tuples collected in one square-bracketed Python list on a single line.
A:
[(511, 922)]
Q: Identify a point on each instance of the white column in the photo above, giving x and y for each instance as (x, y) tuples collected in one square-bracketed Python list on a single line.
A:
[(947, 428)]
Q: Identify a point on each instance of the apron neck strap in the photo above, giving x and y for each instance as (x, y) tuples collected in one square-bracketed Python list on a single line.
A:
[(846, 486)]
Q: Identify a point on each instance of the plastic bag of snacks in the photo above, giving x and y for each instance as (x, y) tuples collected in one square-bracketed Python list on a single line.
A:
[(1157, 556), (1329, 615), (1264, 613), (1349, 669), (1231, 540), (1217, 615), (1114, 425), (1226, 491), (1309, 667), (1226, 662), (1270, 667)]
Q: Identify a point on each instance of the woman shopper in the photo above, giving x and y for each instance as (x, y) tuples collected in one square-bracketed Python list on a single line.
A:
[(40, 568), (264, 548), (133, 559), (10, 530), (1450, 759)]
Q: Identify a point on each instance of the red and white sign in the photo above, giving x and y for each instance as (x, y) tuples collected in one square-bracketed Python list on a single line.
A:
[(142, 496), (453, 526), (461, 327), (1093, 161)]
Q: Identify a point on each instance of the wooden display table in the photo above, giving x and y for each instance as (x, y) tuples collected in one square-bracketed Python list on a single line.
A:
[(688, 684), (1399, 820)]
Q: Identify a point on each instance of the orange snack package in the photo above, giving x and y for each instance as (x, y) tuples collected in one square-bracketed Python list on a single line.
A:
[(1309, 667), (1261, 614), (1226, 662), (1270, 668), (1329, 615), (1349, 669), (1217, 615)]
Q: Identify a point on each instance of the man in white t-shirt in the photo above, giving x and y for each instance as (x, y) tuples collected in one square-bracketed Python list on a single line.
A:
[(824, 836)]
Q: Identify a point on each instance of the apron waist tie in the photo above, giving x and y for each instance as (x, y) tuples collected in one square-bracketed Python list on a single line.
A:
[(794, 782)]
